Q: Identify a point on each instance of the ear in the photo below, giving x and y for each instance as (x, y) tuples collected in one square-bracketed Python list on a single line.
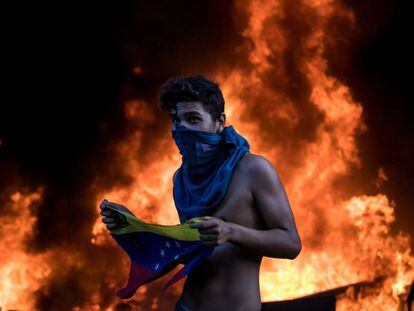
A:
[(221, 122)]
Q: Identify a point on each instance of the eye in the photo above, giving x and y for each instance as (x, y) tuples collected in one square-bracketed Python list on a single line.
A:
[(194, 118)]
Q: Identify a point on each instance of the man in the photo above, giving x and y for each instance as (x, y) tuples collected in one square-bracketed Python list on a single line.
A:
[(250, 213)]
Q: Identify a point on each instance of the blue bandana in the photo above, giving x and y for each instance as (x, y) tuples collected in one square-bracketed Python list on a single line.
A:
[(208, 163)]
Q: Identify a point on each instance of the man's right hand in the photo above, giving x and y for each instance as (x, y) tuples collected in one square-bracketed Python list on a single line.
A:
[(112, 219)]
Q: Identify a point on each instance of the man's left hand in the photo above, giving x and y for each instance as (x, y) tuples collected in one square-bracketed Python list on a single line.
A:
[(213, 232)]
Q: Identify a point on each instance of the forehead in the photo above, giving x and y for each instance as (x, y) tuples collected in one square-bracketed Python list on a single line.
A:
[(188, 106)]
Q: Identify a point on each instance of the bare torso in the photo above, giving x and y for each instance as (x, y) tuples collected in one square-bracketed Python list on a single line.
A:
[(229, 278)]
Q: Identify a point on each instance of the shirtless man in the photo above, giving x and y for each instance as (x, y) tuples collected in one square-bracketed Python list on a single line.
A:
[(253, 220)]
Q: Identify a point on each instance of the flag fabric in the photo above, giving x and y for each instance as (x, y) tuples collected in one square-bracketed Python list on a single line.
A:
[(155, 250)]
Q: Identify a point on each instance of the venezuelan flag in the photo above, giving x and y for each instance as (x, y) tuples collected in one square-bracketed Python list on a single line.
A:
[(155, 250)]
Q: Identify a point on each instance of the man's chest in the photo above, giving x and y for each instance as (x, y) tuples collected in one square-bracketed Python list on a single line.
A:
[(238, 205)]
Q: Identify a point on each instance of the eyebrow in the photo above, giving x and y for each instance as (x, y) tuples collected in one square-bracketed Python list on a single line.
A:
[(189, 113)]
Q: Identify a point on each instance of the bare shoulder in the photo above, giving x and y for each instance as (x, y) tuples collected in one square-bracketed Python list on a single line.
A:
[(255, 163), (259, 170)]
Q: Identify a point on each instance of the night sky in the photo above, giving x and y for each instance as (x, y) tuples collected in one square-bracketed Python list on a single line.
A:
[(68, 67)]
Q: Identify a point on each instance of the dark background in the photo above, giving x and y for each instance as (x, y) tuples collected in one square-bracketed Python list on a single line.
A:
[(68, 66)]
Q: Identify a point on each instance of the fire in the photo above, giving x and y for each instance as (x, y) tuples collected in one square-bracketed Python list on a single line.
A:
[(346, 237), (21, 273), (148, 196), (284, 99)]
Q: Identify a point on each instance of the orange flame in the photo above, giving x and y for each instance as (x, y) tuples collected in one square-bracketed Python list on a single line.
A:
[(21, 274), (346, 237)]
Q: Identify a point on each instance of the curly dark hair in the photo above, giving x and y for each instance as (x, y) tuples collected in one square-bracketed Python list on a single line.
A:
[(192, 88)]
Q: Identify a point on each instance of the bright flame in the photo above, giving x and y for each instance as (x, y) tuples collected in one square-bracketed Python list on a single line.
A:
[(345, 237), (21, 273)]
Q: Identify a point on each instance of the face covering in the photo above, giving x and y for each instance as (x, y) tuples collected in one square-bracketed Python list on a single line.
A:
[(208, 164)]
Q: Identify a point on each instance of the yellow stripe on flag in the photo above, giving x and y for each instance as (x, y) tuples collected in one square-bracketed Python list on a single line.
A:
[(180, 232)]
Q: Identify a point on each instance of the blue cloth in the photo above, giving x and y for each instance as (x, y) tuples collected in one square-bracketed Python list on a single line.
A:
[(208, 164)]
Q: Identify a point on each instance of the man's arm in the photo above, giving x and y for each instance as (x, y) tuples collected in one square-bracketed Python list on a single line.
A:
[(281, 240)]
